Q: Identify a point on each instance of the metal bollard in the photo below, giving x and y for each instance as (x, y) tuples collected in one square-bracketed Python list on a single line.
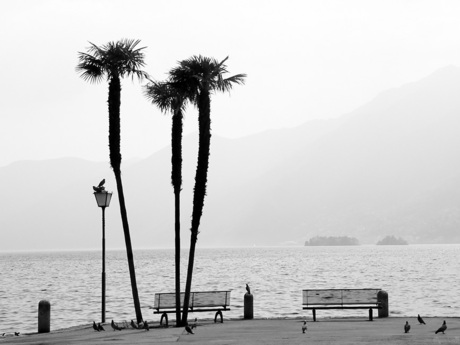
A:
[(248, 306), (382, 298), (44, 316)]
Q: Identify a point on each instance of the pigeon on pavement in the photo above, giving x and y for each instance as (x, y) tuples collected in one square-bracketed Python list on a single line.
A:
[(406, 327), (304, 327), (442, 328), (189, 330), (115, 326), (420, 320)]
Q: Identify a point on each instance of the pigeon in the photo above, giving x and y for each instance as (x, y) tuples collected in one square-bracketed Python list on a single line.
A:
[(115, 326), (194, 324), (406, 327), (16, 333), (146, 326), (100, 187), (133, 325), (248, 289), (189, 330), (99, 327), (420, 320), (304, 327), (95, 326), (3, 334), (442, 328)]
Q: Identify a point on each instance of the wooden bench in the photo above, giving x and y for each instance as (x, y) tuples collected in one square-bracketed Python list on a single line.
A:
[(341, 299), (200, 301)]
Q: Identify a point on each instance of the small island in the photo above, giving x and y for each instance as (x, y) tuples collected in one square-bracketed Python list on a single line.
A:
[(332, 241), (392, 240)]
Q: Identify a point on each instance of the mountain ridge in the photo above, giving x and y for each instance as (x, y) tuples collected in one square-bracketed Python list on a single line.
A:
[(388, 168)]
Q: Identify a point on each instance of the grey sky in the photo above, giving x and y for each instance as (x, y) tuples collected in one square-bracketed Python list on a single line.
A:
[(304, 60)]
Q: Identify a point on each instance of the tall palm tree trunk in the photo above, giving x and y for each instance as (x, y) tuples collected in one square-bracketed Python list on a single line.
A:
[(176, 177), (201, 177), (129, 250), (115, 161)]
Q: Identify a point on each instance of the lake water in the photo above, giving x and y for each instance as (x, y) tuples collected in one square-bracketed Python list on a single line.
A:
[(419, 279)]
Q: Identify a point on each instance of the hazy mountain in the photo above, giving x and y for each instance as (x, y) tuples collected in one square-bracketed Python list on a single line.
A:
[(390, 167)]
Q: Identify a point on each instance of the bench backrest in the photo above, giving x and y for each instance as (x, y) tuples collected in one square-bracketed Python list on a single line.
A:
[(339, 296), (197, 299)]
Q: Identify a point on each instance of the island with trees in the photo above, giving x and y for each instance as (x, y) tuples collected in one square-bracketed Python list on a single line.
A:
[(332, 241), (392, 240)]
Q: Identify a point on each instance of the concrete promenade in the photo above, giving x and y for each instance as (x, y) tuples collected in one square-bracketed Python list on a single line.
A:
[(286, 331)]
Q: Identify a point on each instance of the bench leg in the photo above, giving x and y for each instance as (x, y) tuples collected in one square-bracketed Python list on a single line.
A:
[(165, 316), (314, 314), (221, 317), (370, 315)]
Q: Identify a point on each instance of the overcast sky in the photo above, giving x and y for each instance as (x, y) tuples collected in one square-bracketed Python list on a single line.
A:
[(304, 60)]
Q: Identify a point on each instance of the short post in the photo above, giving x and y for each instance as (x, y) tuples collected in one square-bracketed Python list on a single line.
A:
[(44, 316), (382, 299), (248, 306)]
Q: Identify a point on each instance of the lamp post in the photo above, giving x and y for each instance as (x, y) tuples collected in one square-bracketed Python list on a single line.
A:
[(103, 200)]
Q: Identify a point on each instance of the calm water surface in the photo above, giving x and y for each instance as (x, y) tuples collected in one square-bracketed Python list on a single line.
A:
[(419, 279)]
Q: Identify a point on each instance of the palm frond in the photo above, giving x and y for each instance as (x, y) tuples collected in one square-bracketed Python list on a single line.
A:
[(226, 84), (91, 67)]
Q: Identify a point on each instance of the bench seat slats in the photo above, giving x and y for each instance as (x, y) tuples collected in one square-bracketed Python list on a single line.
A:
[(192, 310), (345, 307), (201, 299), (340, 296), (340, 299)]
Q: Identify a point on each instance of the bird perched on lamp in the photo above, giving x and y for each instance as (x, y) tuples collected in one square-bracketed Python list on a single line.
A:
[(100, 187)]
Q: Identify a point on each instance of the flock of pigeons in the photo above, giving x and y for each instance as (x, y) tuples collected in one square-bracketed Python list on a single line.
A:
[(441, 329), (118, 327), (143, 325)]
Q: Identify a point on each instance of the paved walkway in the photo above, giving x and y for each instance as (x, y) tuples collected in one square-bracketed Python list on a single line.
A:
[(326, 331)]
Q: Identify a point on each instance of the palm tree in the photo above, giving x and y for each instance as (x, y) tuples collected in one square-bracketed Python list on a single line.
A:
[(203, 75), (172, 97), (114, 61)]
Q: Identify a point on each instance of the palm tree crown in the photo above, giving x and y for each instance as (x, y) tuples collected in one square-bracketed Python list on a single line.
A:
[(114, 59), (203, 74)]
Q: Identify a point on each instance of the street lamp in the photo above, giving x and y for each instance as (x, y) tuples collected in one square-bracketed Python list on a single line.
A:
[(103, 200)]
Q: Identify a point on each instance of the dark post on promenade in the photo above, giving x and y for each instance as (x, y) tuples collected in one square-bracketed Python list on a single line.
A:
[(103, 200), (44, 316), (248, 304)]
